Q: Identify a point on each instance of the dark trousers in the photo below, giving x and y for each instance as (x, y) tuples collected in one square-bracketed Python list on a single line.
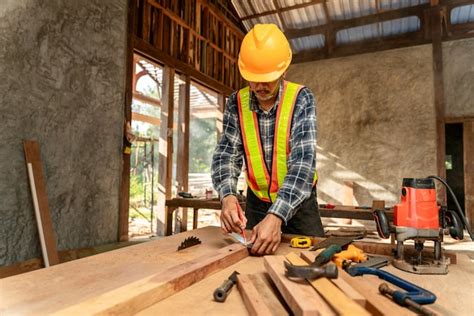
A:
[(306, 221)]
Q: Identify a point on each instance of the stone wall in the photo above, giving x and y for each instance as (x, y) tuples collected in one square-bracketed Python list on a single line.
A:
[(63, 74), (458, 67), (376, 121)]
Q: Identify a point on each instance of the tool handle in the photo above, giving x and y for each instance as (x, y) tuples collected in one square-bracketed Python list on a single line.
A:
[(220, 294), (381, 222), (414, 292), (326, 255)]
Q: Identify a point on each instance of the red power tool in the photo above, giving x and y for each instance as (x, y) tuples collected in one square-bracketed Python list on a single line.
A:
[(419, 217)]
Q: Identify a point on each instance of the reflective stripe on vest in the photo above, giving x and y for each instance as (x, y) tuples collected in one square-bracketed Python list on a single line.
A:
[(257, 175)]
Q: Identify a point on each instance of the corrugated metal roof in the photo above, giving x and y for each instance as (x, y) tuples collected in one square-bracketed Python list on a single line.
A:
[(376, 30), (464, 14), (314, 15)]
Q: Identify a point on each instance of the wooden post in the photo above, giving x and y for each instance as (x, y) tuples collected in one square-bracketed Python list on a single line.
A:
[(129, 87), (182, 167), (40, 203), (436, 33), (165, 149)]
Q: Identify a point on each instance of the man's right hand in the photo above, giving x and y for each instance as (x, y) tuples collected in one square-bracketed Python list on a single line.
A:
[(231, 219)]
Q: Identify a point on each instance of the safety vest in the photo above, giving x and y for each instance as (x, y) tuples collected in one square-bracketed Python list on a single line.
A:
[(264, 186)]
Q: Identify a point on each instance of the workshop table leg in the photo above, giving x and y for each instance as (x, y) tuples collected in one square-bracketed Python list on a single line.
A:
[(169, 220), (195, 218)]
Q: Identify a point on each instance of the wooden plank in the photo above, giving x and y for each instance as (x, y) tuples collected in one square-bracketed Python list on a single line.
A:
[(352, 293), (136, 296), (438, 88), (40, 201), (144, 98), (269, 293), (146, 119), (468, 140), (339, 301), (299, 296), (182, 168), (253, 300), (165, 148)]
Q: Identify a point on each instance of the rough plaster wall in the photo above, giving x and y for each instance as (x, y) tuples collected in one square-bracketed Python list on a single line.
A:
[(62, 65), (376, 121), (458, 68)]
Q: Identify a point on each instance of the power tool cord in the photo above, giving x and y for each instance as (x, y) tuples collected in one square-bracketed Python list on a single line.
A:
[(458, 207)]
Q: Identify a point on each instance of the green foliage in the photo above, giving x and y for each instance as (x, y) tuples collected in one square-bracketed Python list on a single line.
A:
[(136, 187), (201, 144)]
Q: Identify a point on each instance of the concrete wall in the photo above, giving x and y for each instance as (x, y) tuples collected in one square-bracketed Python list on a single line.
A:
[(63, 72), (458, 64), (376, 121)]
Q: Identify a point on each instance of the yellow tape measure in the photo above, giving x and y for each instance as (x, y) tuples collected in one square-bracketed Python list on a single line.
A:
[(300, 242)]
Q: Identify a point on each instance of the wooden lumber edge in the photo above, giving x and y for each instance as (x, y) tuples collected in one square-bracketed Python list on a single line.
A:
[(254, 302), (40, 202), (134, 297), (309, 256), (299, 296), (339, 301)]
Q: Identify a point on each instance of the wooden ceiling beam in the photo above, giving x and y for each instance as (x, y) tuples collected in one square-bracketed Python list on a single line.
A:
[(292, 7), (360, 21)]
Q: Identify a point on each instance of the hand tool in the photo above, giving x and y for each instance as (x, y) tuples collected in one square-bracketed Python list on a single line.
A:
[(241, 239), (413, 292), (376, 262), (300, 242), (311, 272), (220, 294), (326, 255), (341, 241), (401, 299), (185, 195), (189, 242), (352, 254), (419, 217)]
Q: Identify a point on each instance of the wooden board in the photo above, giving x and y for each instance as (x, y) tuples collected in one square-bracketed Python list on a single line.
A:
[(33, 157), (46, 291), (254, 302), (59, 287), (136, 296), (352, 293), (338, 300), (301, 298)]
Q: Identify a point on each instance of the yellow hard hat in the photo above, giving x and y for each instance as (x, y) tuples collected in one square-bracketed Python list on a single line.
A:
[(265, 54)]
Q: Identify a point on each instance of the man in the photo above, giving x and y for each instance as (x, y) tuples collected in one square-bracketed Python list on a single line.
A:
[(271, 125)]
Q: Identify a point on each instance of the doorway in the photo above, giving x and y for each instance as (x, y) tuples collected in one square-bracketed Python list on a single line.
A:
[(455, 163)]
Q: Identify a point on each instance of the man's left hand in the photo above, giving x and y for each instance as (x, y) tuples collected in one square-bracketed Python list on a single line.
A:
[(266, 235)]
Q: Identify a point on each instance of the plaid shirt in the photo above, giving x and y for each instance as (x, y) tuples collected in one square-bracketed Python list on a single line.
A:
[(228, 157)]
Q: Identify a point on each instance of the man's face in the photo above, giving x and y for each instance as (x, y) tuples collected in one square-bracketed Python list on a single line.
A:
[(265, 91)]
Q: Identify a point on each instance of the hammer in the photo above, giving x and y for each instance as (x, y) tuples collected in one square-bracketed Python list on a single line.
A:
[(311, 272)]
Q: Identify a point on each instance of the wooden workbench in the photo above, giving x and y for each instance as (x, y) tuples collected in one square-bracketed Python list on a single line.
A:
[(57, 288), (335, 211)]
